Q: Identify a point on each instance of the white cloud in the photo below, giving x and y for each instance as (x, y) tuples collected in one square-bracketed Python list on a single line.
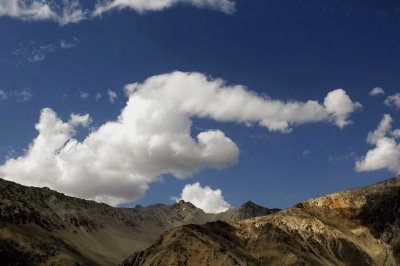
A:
[(195, 94), (386, 152), (383, 128), (393, 100), (71, 11), (395, 133), (141, 6), (83, 94), (32, 52), (80, 120), (67, 44), (305, 153), (23, 95), (340, 105), (130, 89), (8, 152), (152, 137), (62, 12), (376, 91), (98, 96), (39, 54), (3, 95), (112, 95), (205, 198)]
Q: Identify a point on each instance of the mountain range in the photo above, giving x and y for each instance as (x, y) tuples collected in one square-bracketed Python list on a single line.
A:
[(43, 227), (360, 226)]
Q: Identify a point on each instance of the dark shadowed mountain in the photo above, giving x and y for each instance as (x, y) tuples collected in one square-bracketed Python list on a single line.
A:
[(39, 226), (354, 227)]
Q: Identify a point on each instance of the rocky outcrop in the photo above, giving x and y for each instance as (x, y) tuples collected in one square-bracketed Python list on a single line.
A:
[(353, 227), (247, 210)]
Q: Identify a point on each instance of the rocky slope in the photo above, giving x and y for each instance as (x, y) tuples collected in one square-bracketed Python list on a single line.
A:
[(247, 210), (39, 226), (353, 227)]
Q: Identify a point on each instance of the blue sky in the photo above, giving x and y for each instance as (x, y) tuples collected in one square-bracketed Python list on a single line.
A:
[(285, 50)]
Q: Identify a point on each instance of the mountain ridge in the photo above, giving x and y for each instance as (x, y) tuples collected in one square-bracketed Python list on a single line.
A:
[(354, 227), (45, 226)]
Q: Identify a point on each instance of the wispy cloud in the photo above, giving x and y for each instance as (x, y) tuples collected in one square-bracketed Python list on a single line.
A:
[(64, 44), (393, 100), (84, 94), (62, 12), (98, 96), (112, 95), (72, 11), (33, 52), (3, 95), (350, 156), (21, 95), (142, 6), (376, 91)]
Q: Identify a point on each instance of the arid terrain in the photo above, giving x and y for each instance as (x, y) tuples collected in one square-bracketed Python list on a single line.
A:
[(354, 227), (43, 227)]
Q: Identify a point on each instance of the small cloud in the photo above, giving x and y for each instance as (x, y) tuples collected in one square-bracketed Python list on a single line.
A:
[(305, 153), (3, 95), (393, 100), (66, 45), (341, 106), (130, 89), (385, 153), (376, 91), (83, 94), (112, 95), (32, 52), (351, 156), (205, 198), (38, 54), (80, 120), (395, 133), (98, 96), (23, 95), (7, 152), (37, 57)]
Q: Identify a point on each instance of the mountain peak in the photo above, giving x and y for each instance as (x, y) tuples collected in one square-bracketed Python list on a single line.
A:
[(182, 203), (249, 204)]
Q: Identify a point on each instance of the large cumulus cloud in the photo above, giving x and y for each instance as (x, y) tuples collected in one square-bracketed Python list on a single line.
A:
[(152, 136)]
